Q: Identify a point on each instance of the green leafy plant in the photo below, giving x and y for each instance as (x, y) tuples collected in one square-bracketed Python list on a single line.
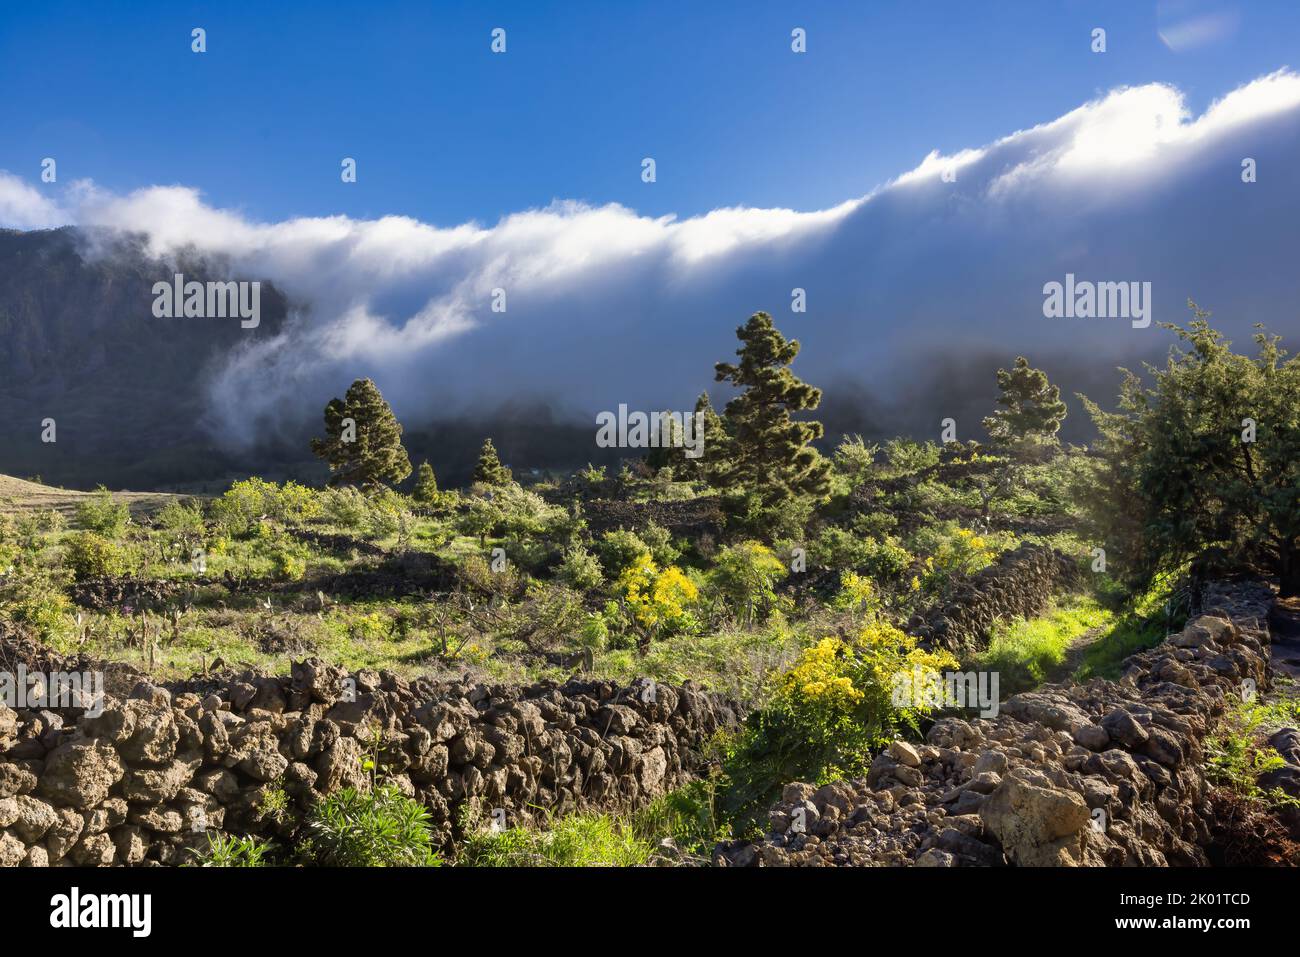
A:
[(745, 576), (227, 850), (381, 827), (826, 714), (580, 569)]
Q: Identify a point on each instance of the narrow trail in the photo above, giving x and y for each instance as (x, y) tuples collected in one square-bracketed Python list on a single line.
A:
[(1074, 654)]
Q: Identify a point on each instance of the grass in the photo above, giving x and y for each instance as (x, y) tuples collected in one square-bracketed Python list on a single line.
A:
[(686, 816), (732, 661), (1139, 623), (1127, 636), (579, 840), (1026, 651)]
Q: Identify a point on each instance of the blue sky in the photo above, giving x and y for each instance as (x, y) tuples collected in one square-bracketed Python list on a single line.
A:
[(445, 131)]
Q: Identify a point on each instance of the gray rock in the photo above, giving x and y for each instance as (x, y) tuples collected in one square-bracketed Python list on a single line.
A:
[(80, 774)]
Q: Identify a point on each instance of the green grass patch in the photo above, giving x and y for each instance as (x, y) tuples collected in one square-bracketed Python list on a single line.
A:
[(579, 840), (687, 816), (1140, 622), (1026, 651)]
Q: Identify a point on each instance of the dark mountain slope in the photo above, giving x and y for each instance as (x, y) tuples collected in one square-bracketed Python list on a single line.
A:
[(79, 344)]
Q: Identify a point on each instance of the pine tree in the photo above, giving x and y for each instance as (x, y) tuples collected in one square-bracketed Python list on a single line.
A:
[(712, 466), (770, 454), (708, 430), (426, 485), (489, 470), (1032, 407), (668, 453), (363, 439)]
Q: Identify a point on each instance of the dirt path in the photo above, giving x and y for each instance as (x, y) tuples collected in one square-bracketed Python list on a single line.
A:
[(1074, 654)]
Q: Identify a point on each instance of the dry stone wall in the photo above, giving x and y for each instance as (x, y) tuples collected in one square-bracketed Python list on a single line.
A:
[(1105, 773), (1020, 584), (143, 781)]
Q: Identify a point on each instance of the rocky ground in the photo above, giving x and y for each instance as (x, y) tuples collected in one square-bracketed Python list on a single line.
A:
[(1106, 773)]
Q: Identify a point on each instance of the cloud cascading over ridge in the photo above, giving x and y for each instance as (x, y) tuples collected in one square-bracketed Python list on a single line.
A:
[(605, 306)]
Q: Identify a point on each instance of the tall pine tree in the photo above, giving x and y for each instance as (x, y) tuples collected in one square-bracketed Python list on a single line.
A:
[(1032, 409), (770, 453), (426, 485), (363, 439), (489, 470), (711, 466)]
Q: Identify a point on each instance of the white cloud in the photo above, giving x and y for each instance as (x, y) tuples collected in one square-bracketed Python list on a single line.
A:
[(605, 305), (24, 207)]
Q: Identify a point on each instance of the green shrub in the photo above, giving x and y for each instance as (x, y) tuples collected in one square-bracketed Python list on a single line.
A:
[(906, 456), (388, 514), (32, 597), (886, 559), (660, 542), (620, 548), (181, 518), (854, 460), (345, 507), (834, 547), (93, 556), (951, 553), (246, 503), (594, 633), (103, 514), (288, 564), (381, 827), (374, 516), (9, 549), (580, 569), (43, 521), (744, 576)]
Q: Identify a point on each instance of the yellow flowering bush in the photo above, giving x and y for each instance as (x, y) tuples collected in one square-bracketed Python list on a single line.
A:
[(828, 713), (839, 692), (659, 600), (816, 676), (857, 593)]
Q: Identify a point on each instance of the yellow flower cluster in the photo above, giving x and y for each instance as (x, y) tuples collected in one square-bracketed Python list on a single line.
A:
[(818, 674), (657, 598)]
